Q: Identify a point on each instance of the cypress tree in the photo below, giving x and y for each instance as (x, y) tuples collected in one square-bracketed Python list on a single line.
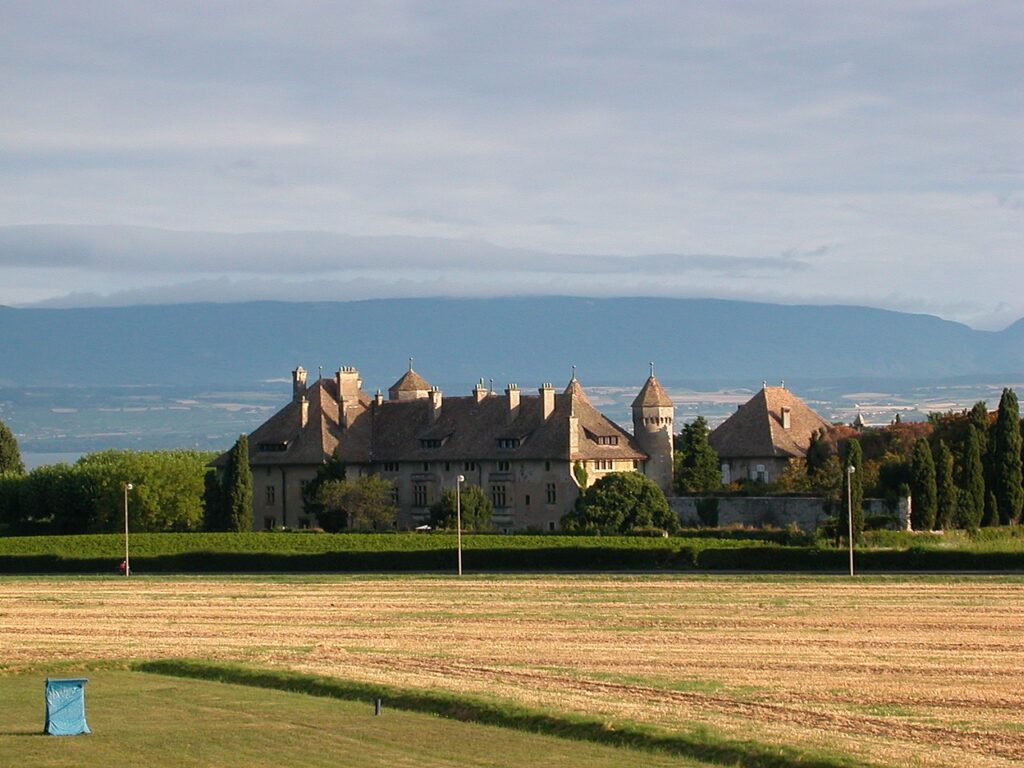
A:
[(972, 482), (854, 458), (696, 463), (10, 456), (923, 487), (1006, 460), (238, 487), (214, 518), (946, 491)]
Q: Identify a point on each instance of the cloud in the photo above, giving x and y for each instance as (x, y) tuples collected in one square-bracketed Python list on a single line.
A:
[(137, 249)]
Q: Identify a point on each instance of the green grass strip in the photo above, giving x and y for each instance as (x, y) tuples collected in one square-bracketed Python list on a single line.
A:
[(702, 744)]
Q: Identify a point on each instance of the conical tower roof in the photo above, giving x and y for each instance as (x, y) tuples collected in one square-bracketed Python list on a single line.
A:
[(653, 395)]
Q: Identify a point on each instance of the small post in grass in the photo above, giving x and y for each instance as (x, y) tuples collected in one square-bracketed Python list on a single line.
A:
[(376, 708)]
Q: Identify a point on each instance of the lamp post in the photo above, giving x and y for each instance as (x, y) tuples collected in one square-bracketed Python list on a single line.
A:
[(849, 509), (458, 515), (127, 569)]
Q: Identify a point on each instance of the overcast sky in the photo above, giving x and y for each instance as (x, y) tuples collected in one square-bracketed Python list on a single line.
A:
[(818, 152)]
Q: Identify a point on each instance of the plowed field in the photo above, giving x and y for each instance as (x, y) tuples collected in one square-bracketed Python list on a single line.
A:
[(899, 671)]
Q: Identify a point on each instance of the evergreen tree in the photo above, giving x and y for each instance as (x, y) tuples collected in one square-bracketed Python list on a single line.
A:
[(1006, 460), (854, 457), (972, 482), (818, 452), (10, 456), (238, 487), (214, 518), (923, 487), (696, 463), (946, 491)]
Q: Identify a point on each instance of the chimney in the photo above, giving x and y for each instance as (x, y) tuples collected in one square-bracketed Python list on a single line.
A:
[(348, 385), (785, 417), (298, 382), (512, 393), (379, 398), (547, 400), (480, 391), (303, 411), (435, 403), (574, 436)]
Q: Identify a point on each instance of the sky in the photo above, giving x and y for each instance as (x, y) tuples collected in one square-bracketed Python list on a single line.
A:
[(797, 152)]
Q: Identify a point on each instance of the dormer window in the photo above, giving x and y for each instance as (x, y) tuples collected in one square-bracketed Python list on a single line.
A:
[(607, 439), (508, 442), (432, 442), (273, 447)]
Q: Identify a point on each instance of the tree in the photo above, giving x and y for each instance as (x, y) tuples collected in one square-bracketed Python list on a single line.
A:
[(10, 456), (238, 487), (971, 504), (923, 487), (214, 518), (621, 502), (818, 452), (852, 489), (945, 488), (332, 469), (476, 508), (696, 463), (1006, 460), (361, 504)]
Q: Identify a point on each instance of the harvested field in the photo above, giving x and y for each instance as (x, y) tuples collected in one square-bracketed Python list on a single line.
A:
[(898, 671)]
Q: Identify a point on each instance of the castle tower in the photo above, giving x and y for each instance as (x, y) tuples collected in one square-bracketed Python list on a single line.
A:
[(653, 419)]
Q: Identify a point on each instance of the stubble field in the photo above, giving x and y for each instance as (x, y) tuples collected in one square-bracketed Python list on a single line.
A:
[(895, 671)]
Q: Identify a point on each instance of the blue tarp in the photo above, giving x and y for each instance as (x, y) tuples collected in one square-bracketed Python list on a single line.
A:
[(65, 707)]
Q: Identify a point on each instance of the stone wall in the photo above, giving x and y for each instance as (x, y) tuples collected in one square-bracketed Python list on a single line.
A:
[(777, 511)]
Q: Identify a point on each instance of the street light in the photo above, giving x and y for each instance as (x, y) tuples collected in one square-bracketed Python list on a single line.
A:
[(127, 569), (458, 515), (849, 508)]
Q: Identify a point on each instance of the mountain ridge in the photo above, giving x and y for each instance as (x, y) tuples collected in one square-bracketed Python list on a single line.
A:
[(455, 341)]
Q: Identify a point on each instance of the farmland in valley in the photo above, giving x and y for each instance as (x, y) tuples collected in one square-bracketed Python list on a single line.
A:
[(889, 670)]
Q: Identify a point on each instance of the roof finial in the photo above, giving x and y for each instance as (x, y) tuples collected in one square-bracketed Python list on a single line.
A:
[(573, 374), (764, 383), (491, 390), (782, 384), (320, 372), (410, 363), (652, 369)]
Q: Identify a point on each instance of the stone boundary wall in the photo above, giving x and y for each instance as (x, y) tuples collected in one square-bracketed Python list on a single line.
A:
[(777, 511)]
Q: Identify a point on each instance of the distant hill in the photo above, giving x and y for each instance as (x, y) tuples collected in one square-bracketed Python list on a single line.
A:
[(525, 340)]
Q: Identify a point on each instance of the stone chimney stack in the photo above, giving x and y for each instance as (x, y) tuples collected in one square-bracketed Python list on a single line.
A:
[(303, 411), (298, 382), (512, 393), (435, 403), (547, 400), (786, 417), (379, 398), (480, 391)]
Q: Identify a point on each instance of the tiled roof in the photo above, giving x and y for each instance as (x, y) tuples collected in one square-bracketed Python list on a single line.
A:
[(464, 430), (756, 429), (410, 382), (652, 395)]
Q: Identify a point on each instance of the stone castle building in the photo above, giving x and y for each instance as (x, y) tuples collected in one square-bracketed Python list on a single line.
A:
[(520, 448), (758, 441)]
